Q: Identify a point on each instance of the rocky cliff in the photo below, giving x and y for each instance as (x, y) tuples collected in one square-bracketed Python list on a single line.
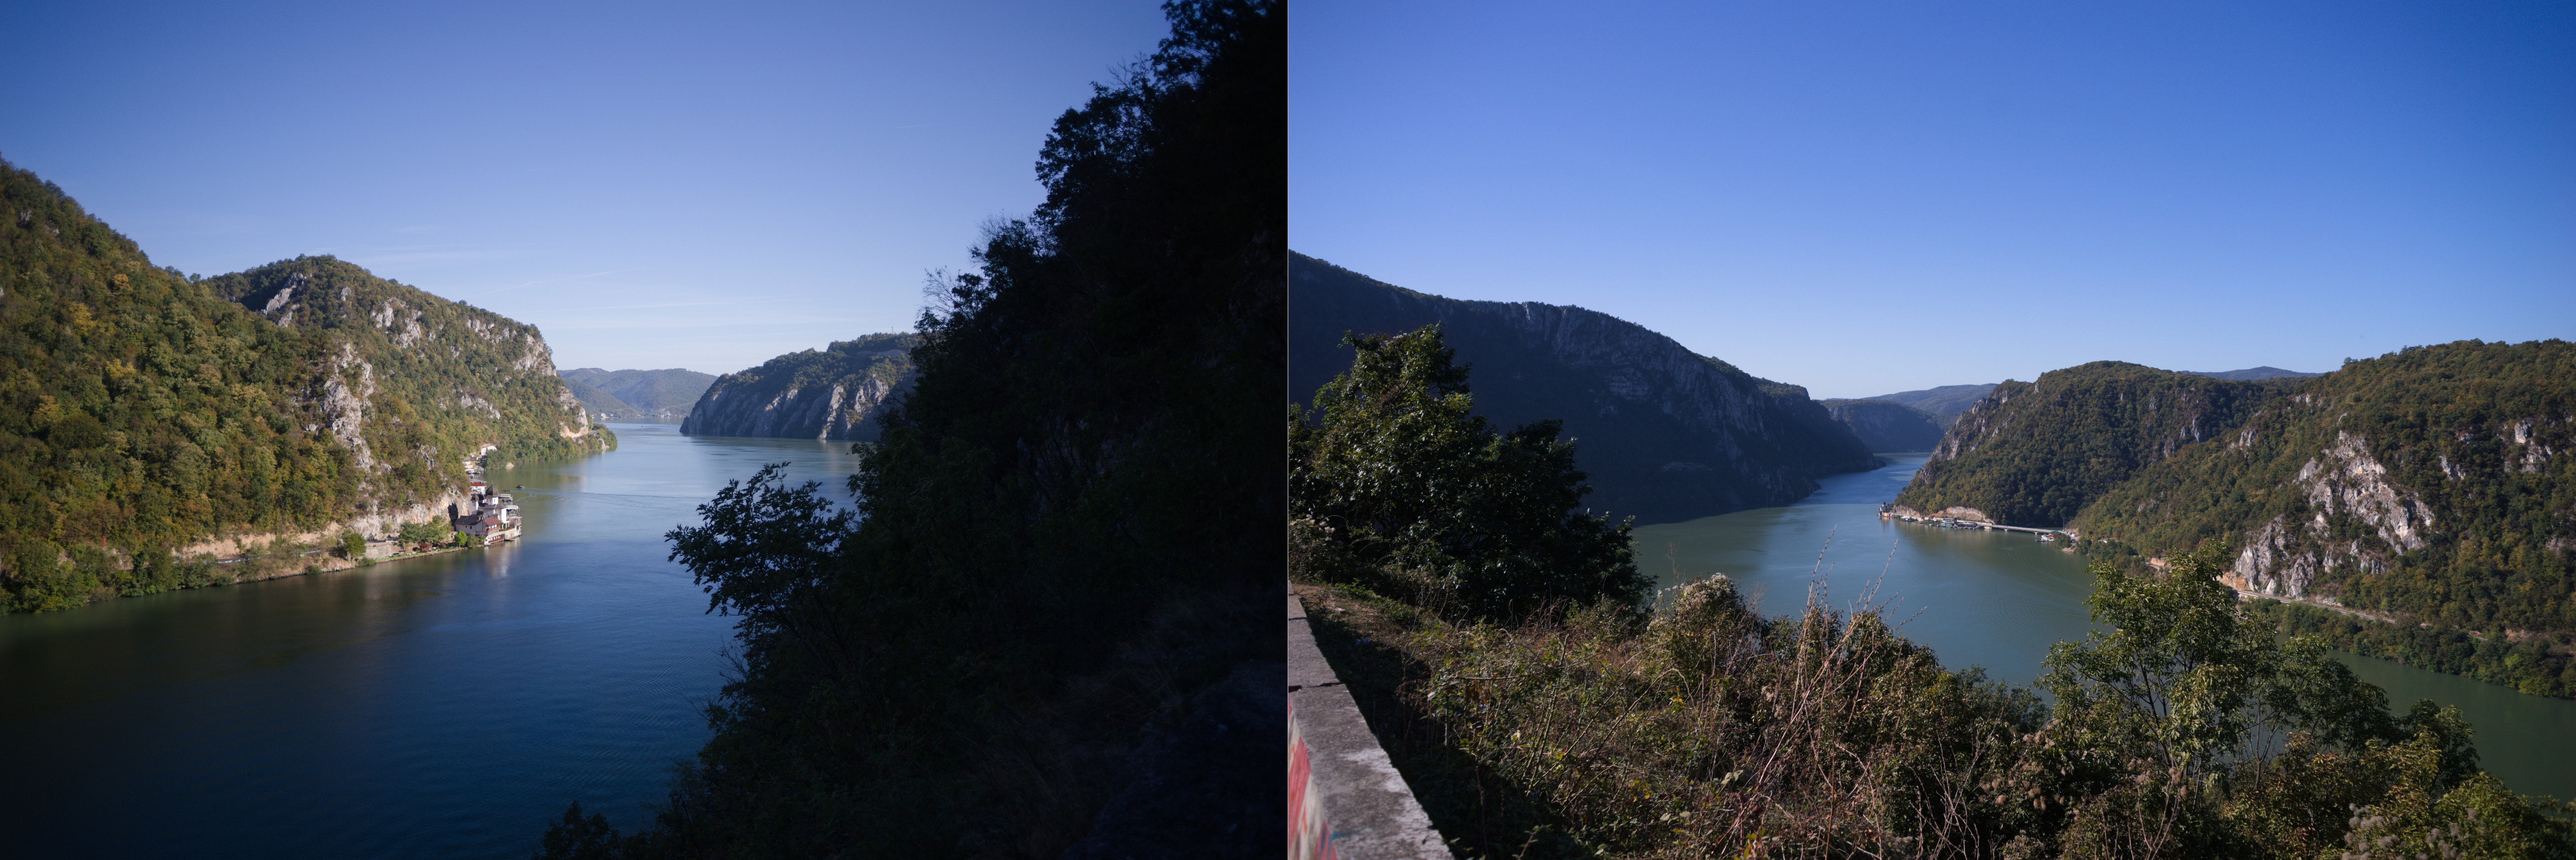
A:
[(2424, 483), (831, 393), (1664, 433), (1887, 426), (413, 383), (2035, 453)]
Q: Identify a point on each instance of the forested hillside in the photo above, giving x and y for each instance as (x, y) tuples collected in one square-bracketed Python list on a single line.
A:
[(142, 411), (2034, 453), (643, 396), (839, 392), (2424, 486), (1665, 434), (415, 382)]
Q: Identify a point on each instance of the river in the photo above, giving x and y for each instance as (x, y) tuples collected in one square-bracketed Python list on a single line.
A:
[(446, 706), (1998, 599)]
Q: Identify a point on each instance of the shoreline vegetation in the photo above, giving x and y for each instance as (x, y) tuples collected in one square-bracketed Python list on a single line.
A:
[(95, 577), (1540, 715)]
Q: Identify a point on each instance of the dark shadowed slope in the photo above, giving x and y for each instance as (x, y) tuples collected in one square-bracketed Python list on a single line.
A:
[(1663, 433)]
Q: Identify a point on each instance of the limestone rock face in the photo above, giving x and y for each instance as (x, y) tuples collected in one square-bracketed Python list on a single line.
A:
[(833, 393), (411, 379), (1662, 432)]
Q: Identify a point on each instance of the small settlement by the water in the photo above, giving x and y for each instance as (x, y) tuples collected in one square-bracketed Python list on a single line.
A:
[(493, 517), (1887, 511)]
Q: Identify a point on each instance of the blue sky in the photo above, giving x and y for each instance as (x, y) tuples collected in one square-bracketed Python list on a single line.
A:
[(1867, 198), (654, 185)]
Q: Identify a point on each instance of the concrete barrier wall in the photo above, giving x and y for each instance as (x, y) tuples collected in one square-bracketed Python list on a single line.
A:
[(1368, 811)]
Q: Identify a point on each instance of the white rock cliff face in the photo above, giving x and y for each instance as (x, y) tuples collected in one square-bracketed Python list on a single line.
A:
[(2287, 559), (839, 411)]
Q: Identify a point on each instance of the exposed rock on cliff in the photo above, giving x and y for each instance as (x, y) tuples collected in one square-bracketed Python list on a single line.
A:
[(1885, 425), (832, 393), (411, 383), (1663, 433)]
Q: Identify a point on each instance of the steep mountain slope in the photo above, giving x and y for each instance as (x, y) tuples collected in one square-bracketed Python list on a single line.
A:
[(649, 396), (1663, 433), (2035, 453), (142, 412), (832, 393), (2425, 484), (2252, 373), (415, 383), (1887, 426)]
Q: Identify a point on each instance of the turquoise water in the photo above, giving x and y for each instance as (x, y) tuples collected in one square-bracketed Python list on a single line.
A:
[(447, 706), (1999, 599)]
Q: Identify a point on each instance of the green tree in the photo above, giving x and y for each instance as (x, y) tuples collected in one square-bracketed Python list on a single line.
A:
[(1395, 482)]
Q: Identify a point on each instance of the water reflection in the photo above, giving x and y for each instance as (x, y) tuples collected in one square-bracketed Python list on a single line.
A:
[(444, 706)]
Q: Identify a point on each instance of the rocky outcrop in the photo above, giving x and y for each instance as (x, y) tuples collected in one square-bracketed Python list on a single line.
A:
[(832, 393), (1663, 433), (407, 378), (1885, 425)]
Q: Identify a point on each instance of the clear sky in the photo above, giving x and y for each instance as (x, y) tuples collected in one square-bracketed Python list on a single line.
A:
[(1868, 198), (700, 185)]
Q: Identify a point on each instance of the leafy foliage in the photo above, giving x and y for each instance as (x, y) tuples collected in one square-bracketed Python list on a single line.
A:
[(1069, 526), (1399, 483), (2183, 731)]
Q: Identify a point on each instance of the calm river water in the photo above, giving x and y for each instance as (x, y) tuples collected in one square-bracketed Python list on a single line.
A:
[(448, 706), (1999, 599)]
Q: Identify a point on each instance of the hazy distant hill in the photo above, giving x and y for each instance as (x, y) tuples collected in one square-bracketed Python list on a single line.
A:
[(643, 396), (1663, 433), (1887, 425), (1943, 403), (602, 405), (831, 393), (2252, 373)]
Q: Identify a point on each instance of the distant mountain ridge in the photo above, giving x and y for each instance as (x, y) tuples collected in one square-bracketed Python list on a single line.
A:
[(1662, 432), (2252, 373), (1943, 403), (831, 393), (640, 396), (1886, 425)]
